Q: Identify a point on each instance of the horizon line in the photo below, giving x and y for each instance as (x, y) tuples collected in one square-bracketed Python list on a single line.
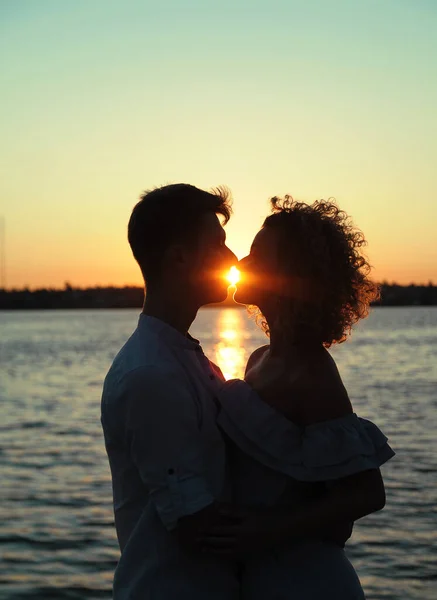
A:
[(69, 286)]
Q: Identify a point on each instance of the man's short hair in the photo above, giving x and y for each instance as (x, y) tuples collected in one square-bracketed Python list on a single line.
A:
[(168, 215)]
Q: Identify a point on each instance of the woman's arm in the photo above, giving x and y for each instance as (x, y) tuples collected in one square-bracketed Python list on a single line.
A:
[(348, 500)]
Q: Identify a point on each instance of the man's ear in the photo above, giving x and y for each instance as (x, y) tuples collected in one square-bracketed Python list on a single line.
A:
[(177, 256)]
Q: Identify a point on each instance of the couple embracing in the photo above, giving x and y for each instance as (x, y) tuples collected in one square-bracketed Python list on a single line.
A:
[(246, 488)]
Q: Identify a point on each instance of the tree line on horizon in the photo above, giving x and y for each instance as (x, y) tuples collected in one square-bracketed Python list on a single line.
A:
[(69, 297)]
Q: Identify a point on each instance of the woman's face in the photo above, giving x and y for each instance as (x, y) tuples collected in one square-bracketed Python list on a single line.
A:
[(260, 270)]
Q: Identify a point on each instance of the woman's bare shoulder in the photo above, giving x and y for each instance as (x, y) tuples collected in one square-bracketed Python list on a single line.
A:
[(256, 355), (322, 395)]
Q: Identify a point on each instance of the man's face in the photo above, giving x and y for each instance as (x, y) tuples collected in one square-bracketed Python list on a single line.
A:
[(211, 261)]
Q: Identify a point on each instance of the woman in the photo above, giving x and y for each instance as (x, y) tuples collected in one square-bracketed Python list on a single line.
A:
[(291, 420)]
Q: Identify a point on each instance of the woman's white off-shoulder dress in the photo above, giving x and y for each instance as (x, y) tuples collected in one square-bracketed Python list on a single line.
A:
[(275, 463)]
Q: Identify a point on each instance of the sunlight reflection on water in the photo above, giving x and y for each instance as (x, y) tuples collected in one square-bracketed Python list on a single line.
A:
[(229, 352)]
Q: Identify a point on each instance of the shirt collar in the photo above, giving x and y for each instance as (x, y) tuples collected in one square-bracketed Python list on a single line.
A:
[(167, 333)]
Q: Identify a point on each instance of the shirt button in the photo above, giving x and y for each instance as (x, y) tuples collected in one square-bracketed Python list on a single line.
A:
[(212, 376)]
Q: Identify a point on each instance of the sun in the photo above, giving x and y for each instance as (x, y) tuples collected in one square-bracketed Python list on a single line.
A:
[(233, 276)]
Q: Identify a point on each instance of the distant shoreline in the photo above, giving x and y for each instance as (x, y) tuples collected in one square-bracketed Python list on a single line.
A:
[(133, 297)]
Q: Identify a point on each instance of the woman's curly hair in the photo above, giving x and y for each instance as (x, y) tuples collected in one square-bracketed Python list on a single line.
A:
[(321, 247)]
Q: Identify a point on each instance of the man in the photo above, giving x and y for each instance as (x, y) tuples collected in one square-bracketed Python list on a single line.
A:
[(166, 453)]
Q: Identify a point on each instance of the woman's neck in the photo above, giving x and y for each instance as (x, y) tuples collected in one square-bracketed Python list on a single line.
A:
[(287, 338), (283, 345)]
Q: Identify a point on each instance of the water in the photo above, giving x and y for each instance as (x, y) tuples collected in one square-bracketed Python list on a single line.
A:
[(57, 538)]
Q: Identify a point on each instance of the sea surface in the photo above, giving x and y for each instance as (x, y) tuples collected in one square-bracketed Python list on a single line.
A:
[(57, 537)]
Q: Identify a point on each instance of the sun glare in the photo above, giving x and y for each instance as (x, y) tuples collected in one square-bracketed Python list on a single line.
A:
[(233, 275)]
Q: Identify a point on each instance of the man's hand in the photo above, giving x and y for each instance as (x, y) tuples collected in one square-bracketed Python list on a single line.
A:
[(191, 529), (247, 532), (244, 531)]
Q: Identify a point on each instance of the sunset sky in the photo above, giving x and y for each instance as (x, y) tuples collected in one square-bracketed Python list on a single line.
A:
[(101, 99)]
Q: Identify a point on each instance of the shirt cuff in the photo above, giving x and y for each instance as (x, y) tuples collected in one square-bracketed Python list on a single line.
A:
[(183, 496)]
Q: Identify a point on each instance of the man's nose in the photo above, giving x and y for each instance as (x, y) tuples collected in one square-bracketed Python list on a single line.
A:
[(231, 258)]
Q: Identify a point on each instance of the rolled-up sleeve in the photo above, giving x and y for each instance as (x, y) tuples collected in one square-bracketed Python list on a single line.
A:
[(162, 430)]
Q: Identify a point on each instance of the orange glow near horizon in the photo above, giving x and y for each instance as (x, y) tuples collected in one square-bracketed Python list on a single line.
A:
[(76, 163)]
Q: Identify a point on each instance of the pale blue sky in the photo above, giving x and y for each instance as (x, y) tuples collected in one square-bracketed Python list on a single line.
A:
[(102, 99)]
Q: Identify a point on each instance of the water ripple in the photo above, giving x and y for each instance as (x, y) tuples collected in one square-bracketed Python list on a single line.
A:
[(57, 532)]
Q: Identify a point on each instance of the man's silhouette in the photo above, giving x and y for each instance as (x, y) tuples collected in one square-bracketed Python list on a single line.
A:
[(167, 455)]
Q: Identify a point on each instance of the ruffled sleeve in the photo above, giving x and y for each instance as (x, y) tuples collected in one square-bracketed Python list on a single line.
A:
[(319, 452)]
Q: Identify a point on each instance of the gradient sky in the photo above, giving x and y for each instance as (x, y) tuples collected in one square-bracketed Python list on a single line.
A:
[(102, 99)]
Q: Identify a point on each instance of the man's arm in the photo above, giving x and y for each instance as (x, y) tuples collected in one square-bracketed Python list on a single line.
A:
[(161, 429)]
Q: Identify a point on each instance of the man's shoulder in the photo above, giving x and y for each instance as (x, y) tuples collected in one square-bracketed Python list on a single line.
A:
[(141, 357)]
